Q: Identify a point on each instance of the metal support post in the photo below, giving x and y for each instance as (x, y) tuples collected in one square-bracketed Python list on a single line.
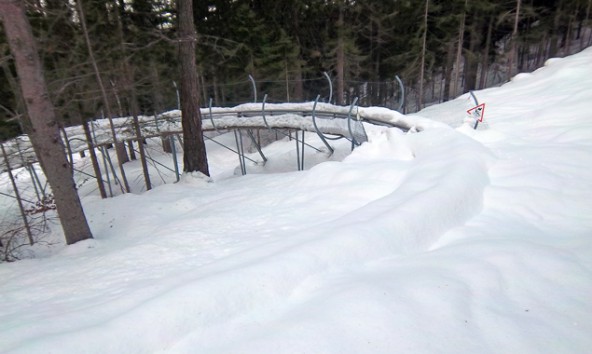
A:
[(314, 122), (239, 148), (174, 152), (476, 104), (254, 88), (402, 95), (330, 86)]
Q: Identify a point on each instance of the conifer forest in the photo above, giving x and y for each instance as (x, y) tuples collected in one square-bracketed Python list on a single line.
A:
[(289, 48)]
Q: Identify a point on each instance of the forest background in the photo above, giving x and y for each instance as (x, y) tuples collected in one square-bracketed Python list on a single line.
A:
[(438, 48)]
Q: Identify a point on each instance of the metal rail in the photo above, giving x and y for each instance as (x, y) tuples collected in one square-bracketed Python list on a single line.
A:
[(261, 116)]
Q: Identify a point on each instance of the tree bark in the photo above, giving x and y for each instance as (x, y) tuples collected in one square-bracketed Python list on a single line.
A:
[(340, 65), (45, 134), (513, 53), (423, 54), (129, 86), (194, 149), (299, 89), (485, 58), (582, 45), (119, 147), (461, 33), (94, 160), (471, 58), (448, 71)]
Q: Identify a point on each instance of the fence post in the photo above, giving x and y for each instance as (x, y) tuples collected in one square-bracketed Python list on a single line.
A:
[(211, 114), (349, 118), (476, 104), (314, 122), (174, 152)]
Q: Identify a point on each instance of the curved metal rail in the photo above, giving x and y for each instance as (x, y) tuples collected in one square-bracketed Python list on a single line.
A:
[(328, 121)]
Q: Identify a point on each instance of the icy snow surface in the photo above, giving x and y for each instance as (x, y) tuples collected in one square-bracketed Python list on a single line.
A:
[(449, 240)]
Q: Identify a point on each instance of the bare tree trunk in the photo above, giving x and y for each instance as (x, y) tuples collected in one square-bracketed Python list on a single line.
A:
[(129, 86), (340, 65), (423, 54), (17, 195), (45, 135), (140, 139), (94, 160), (568, 36), (582, 43), (461, 33), (287, 77), (448, 71), (120, 148), (485, 58), (584, 21), (194, 149), (216, 91), (513, 53), (157, 102), (299, 89), (471, 64), (203, 87)]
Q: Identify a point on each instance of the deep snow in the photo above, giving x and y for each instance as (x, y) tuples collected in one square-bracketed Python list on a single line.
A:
[(449, 240)]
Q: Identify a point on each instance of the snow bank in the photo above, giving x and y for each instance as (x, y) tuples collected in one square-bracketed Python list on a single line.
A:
[(448, 240)]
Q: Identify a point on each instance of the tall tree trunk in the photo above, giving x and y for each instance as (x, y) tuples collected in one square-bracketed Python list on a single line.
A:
[(461, 33), (568, 35), (582, 43), (299, 88), (423, 54), (45, 134), (485, 58), (448, 71), (194, 149), (513, 53), (157, 102), (93, 159), (554, 37), (119, 146), (471, 57), (340, 65), (19, 102), (216, 91), (128, 71), (157, 98), (135, 112)]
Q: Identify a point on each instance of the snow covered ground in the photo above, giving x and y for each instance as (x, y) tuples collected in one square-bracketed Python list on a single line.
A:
[(449, 240)]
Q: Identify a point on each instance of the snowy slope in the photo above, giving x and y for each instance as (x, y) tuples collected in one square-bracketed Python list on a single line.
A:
[(450, 241)]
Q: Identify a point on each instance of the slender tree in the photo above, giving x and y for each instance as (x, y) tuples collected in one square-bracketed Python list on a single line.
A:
[(121, 155), (513, 50), (461, 33), (423, 54), (45, 134)]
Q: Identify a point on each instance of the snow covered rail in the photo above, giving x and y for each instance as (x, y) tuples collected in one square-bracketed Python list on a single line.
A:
[(322, 118)]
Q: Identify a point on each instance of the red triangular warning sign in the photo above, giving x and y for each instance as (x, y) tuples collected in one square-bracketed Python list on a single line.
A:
[(478, 112)]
